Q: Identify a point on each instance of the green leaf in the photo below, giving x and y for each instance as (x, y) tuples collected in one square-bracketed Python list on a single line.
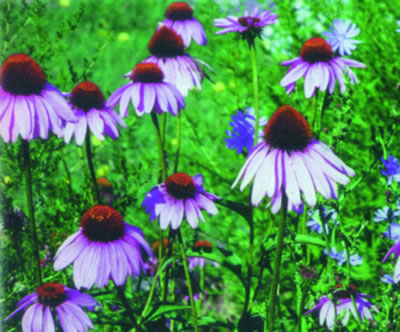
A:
[(159, 310)]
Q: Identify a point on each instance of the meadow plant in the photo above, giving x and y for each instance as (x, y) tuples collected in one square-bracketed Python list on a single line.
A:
[(317, 255)]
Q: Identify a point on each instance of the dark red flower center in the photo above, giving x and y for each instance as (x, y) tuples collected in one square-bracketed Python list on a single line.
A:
[(248, 21), (287, 130), (102, 223), (180, 186), (87, 95), (21, 75), (202, 245), (147, 73), (104, 184), (342, 293), (156, 245), (51, 294), (316, 50), (166, 43), (179, 11)]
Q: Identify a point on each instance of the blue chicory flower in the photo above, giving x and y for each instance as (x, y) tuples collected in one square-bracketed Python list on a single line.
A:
[(386, 214), (340, 36), (387, 279), (392, 169), (393, 232), (242, 134), (317, 220), (341, 257)]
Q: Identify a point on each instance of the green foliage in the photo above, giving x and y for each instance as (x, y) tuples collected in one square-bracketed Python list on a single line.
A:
[(101, 41)]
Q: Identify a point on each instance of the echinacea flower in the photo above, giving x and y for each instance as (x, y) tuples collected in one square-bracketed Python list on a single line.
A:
[(396, 250), (105, 247), (249, 26), (148, 91), (29, 105), (180, 69), (326, 311), (363, 306), (54, 298), (195, 261), (290, 162), (179, 16), (340, 36), (87, 101), (386, 214), (243, 127), (14, 220), (319, 68), (344, 303), (392, 169), (180, 195)]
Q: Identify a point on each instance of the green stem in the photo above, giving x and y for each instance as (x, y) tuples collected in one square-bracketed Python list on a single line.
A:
[(163, 167), (188, 281), (255, 87), (127, 307), (249, 268), (314, 118), (29, 201), (91, 168), (328, 250), (277, 267), (178, 142)]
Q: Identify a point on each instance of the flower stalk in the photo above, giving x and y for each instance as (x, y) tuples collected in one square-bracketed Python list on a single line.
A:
[(188, 281), (31, 211), (255, 89), (89, 156), (277, 266)]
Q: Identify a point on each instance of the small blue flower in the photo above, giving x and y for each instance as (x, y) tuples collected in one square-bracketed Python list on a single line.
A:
[(341, 257), (315, 223), (392, 169), (387, 278), (386, 214), (393, 232), (242, 135), (341, 36), (398, 23)]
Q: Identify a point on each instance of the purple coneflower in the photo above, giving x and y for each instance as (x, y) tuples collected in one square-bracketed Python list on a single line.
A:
[(319, 68), (340, 36), (249, 26), (344, 304), (87, 101), (289, 161), (53, 298), (200, 246), (104, 247), (179, 195), (29, 105), (148, 91), (179, 16), (326, 311), (180, 69)]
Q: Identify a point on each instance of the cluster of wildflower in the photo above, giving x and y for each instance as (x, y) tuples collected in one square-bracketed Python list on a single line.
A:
[(392, 170), (287, 164), (320, 218)]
